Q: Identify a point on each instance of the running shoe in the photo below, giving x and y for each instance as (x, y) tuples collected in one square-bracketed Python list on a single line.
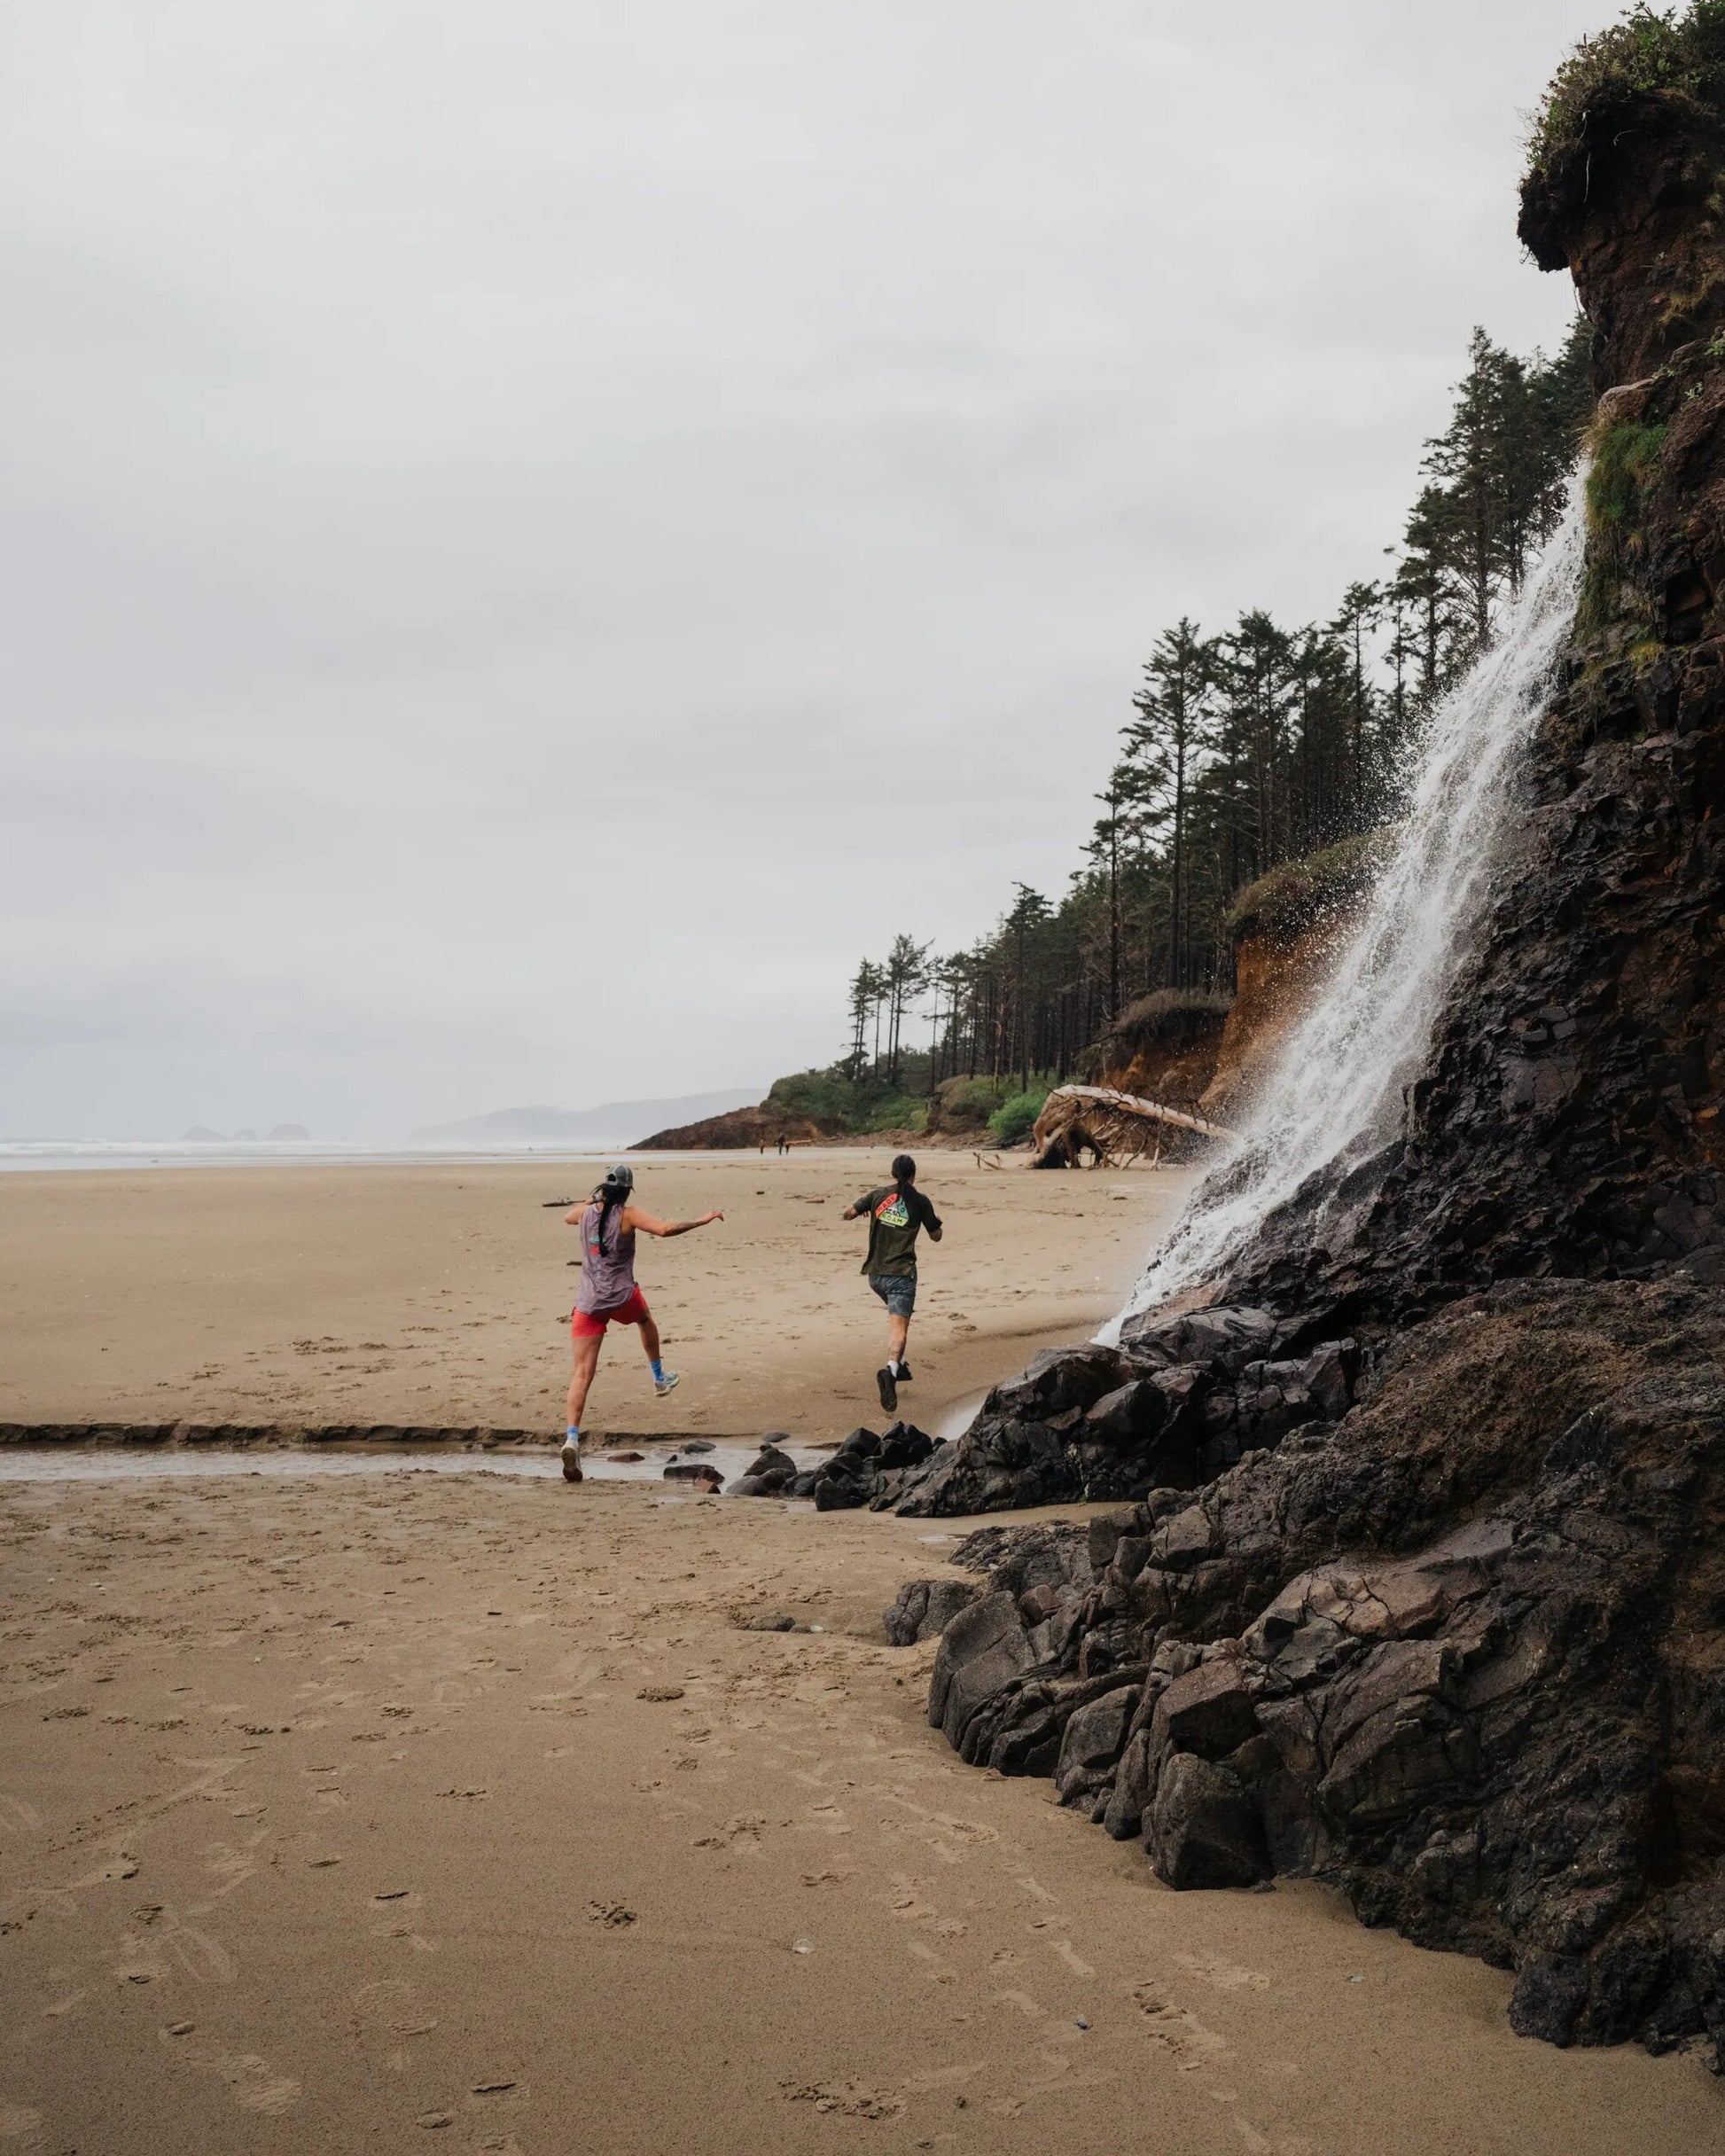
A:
[(904, 1374), (571, 1458), (887, 1386), (667, 1384)]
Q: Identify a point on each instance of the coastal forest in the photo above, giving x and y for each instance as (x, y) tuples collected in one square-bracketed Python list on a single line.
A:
[(1259, 756)]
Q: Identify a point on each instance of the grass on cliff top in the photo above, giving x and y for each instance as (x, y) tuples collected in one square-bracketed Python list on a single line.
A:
[(1301, 894), (1167, 1014), (856, 1105), (1650, 49)]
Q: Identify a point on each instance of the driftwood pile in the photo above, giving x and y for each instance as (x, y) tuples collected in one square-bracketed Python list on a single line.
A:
[(1115, 1129)]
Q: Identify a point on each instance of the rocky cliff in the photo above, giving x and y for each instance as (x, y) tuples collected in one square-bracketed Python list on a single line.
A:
[(1421, 1586)]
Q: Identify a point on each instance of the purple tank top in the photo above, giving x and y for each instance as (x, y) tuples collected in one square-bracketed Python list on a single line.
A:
[(607, 1276)]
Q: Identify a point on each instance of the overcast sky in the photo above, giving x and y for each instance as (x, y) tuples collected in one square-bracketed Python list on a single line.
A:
[(538, 533)]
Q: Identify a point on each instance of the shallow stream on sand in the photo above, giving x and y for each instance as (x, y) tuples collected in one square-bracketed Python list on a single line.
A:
[(46, 1463)]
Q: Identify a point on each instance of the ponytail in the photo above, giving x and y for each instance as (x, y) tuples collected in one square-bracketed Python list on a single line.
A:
[(609, 1196), (905, 1173)]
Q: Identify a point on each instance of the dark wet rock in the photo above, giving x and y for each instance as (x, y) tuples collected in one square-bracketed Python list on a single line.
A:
[(904, 1445), (1102, 1423), (1222, 1341), (770, 1474), (695, 1474), (1208, 1711), (925, 1607), (1203, 1828), (980, 1651), (847, 1480), (698, 1444), (1095, 1737)]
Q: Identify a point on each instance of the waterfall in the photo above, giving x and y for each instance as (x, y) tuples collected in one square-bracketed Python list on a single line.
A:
[(1338, 1084)]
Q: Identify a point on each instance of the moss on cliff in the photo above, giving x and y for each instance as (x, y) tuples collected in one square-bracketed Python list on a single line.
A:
[(1624, 465)]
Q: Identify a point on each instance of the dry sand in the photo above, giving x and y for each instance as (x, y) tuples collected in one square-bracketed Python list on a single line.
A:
[(434, 1294), (338, 1812)]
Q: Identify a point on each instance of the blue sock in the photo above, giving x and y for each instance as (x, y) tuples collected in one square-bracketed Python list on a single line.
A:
[(659, 1373), (571, 1436)]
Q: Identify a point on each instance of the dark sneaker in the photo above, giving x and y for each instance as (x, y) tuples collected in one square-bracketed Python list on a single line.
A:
[(571, 1458), (904, 1374), (888, 1388)]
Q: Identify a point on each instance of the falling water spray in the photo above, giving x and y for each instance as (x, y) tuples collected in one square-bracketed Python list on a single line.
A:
[(1337, 1086)]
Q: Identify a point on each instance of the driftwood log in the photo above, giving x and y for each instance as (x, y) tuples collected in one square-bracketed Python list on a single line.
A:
[(1113, 1127)]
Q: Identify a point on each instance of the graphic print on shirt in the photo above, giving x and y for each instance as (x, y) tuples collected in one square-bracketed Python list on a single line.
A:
[(892, 1212)]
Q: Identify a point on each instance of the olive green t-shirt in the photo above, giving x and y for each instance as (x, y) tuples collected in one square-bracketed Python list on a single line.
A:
[(892, 1226)]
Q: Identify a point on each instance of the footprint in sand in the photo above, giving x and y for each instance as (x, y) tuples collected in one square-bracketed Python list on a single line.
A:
[(1181, 2034), (386, 2015), (252, 2082), (256, 2084), (1225, 1975)]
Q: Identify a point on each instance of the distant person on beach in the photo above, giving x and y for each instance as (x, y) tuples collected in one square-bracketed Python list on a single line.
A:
[(609, 1223), (896, 1213)]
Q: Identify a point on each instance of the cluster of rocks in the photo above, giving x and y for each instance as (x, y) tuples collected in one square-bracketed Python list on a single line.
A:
[(1462, 1652), (867, 1468), (1177, 1402)]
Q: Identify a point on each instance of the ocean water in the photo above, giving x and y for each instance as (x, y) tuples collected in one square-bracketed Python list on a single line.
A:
[(263, 1153)]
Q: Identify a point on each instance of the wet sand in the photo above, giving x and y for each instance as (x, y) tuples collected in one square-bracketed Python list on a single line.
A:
[(432, 1294), (338, 1814)]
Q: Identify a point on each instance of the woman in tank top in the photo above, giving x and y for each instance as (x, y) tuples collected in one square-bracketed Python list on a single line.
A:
[(609, 1223)]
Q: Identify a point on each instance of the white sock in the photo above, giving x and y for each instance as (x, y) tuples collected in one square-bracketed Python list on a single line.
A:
[(894, 1368)]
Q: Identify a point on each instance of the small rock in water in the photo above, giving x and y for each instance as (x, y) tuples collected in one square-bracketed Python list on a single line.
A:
[(705, 1478), (698, 1444), (624, 1459)]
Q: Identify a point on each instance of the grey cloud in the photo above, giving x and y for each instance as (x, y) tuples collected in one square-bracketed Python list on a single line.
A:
[(537, 533)]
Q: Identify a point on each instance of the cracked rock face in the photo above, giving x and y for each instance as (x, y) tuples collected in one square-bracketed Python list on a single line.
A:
[(1462, 1653), (1180, 1399)]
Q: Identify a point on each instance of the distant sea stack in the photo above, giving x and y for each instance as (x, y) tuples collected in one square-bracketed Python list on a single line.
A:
[(1416, 1582)]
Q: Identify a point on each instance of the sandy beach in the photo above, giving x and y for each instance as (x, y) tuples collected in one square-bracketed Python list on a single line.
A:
[(338, 1812), (334, 1814), (439, 1294)]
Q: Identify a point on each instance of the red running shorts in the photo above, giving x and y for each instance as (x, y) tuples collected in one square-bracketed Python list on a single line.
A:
[(583, 1325)]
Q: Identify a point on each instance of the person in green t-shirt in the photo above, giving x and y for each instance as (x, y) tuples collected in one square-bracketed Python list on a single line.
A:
[(896, 1213)]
